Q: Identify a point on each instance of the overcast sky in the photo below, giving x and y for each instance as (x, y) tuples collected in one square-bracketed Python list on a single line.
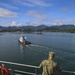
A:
[(35, 12)]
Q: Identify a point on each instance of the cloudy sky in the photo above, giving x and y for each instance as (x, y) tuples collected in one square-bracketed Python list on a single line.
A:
[(35, 12)]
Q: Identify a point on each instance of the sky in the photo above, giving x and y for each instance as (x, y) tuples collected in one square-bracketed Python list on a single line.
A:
[(36, 12)]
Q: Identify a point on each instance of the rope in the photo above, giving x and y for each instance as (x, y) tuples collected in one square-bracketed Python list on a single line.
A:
[(68, 71), (46, 53), (57, 56), (38, 50), (51, 48)]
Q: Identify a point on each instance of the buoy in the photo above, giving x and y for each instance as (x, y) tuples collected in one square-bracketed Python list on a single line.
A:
[(4, 70)]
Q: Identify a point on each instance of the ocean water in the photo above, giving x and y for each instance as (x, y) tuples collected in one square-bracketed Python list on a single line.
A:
[(63, 44)]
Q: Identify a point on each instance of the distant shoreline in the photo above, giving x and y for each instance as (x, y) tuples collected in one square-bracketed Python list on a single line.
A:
[(38, 32), (40, 28)]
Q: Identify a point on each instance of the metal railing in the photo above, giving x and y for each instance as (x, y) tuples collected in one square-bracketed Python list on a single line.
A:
[(25, 65), (18, 64)]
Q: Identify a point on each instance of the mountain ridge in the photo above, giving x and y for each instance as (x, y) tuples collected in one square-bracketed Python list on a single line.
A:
[(28, 28)]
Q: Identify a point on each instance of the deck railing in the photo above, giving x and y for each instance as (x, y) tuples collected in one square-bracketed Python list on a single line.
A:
[(25, 65), (18, 64)]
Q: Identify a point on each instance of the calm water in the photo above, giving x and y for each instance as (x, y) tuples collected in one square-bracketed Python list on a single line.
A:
[(63, 44)]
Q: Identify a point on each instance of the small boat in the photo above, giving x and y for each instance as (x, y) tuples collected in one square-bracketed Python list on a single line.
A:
[(23, 40), (39, 32)]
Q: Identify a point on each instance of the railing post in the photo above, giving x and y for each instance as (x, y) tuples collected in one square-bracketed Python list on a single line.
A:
[(35, 71), (12, 70)]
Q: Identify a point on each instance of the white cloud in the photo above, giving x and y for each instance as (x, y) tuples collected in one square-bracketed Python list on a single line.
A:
[(32, 3), (7, 13), (26, 4), (35, 23), (39, 2), (8, 5), (36, 14), (62, 21), (13, 23)]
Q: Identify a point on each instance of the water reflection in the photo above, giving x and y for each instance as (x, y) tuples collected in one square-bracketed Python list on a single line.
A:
[(22, 51)]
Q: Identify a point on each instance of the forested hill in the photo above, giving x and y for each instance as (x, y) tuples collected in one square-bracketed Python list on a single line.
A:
[(52, 28)]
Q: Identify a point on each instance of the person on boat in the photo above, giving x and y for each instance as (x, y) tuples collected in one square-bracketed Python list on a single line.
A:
[(49, 66), (22, 39)]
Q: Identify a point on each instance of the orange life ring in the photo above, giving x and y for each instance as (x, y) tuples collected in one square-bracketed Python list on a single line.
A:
[(4, 70)]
